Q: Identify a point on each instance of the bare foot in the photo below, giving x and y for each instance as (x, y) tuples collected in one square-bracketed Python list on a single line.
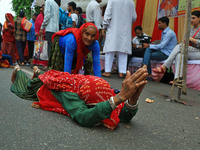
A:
[(35, 72), (13, 77), (35, 105)]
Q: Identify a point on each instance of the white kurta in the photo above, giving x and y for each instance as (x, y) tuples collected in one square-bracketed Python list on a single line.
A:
[(93, 13), (118, 19)]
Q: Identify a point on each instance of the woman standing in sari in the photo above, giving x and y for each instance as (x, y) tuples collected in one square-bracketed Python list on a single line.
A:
[(8, 44), (38, 22)]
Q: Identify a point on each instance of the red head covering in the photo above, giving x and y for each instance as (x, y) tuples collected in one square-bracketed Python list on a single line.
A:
[(82, 50), (10, 18)]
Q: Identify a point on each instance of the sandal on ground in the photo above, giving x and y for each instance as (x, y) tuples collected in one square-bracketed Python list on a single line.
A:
[(161, 71), (106, 74)]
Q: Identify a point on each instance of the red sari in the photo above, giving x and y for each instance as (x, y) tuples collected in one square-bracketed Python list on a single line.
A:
[(80, 84), (8, 44), (38, 24)]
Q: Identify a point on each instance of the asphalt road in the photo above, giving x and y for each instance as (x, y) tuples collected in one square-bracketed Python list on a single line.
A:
[(162, 125)]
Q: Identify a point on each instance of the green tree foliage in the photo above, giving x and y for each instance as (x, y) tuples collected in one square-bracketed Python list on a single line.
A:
[(25, 5)]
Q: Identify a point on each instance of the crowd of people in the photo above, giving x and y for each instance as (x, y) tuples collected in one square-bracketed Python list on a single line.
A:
[(74, 45)]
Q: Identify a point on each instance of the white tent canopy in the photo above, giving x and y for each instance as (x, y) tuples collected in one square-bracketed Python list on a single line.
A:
[(80, 3)]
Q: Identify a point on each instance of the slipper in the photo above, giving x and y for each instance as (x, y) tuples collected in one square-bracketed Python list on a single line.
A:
[(161, 71), (105, 74)]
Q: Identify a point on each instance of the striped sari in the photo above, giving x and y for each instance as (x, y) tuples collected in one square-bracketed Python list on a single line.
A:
[(24, 87)]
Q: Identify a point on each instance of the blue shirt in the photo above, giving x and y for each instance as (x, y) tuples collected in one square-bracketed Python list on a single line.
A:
[(168, 42), (68, 46), (31, 34)]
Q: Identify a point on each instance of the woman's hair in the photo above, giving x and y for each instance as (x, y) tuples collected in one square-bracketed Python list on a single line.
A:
[(196, 13), (21, 13)]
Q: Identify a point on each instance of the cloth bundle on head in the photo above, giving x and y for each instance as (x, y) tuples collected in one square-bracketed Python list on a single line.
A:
[(90, 89), (82, 49)]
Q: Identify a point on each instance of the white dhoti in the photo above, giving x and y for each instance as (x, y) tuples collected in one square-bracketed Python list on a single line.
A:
[(122, 61)]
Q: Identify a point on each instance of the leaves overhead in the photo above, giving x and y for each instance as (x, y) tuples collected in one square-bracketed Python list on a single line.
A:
[(25, 5)]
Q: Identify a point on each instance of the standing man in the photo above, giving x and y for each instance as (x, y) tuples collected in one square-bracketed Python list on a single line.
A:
[(163, 50), (31, 36), (93, 13), (51, 20), (118, 19)]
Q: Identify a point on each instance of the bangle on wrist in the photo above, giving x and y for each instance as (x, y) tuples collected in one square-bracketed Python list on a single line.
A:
[(112, 103), (133, 107)]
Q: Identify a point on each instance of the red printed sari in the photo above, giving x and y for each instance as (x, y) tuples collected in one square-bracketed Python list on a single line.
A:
[(80, 84)]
